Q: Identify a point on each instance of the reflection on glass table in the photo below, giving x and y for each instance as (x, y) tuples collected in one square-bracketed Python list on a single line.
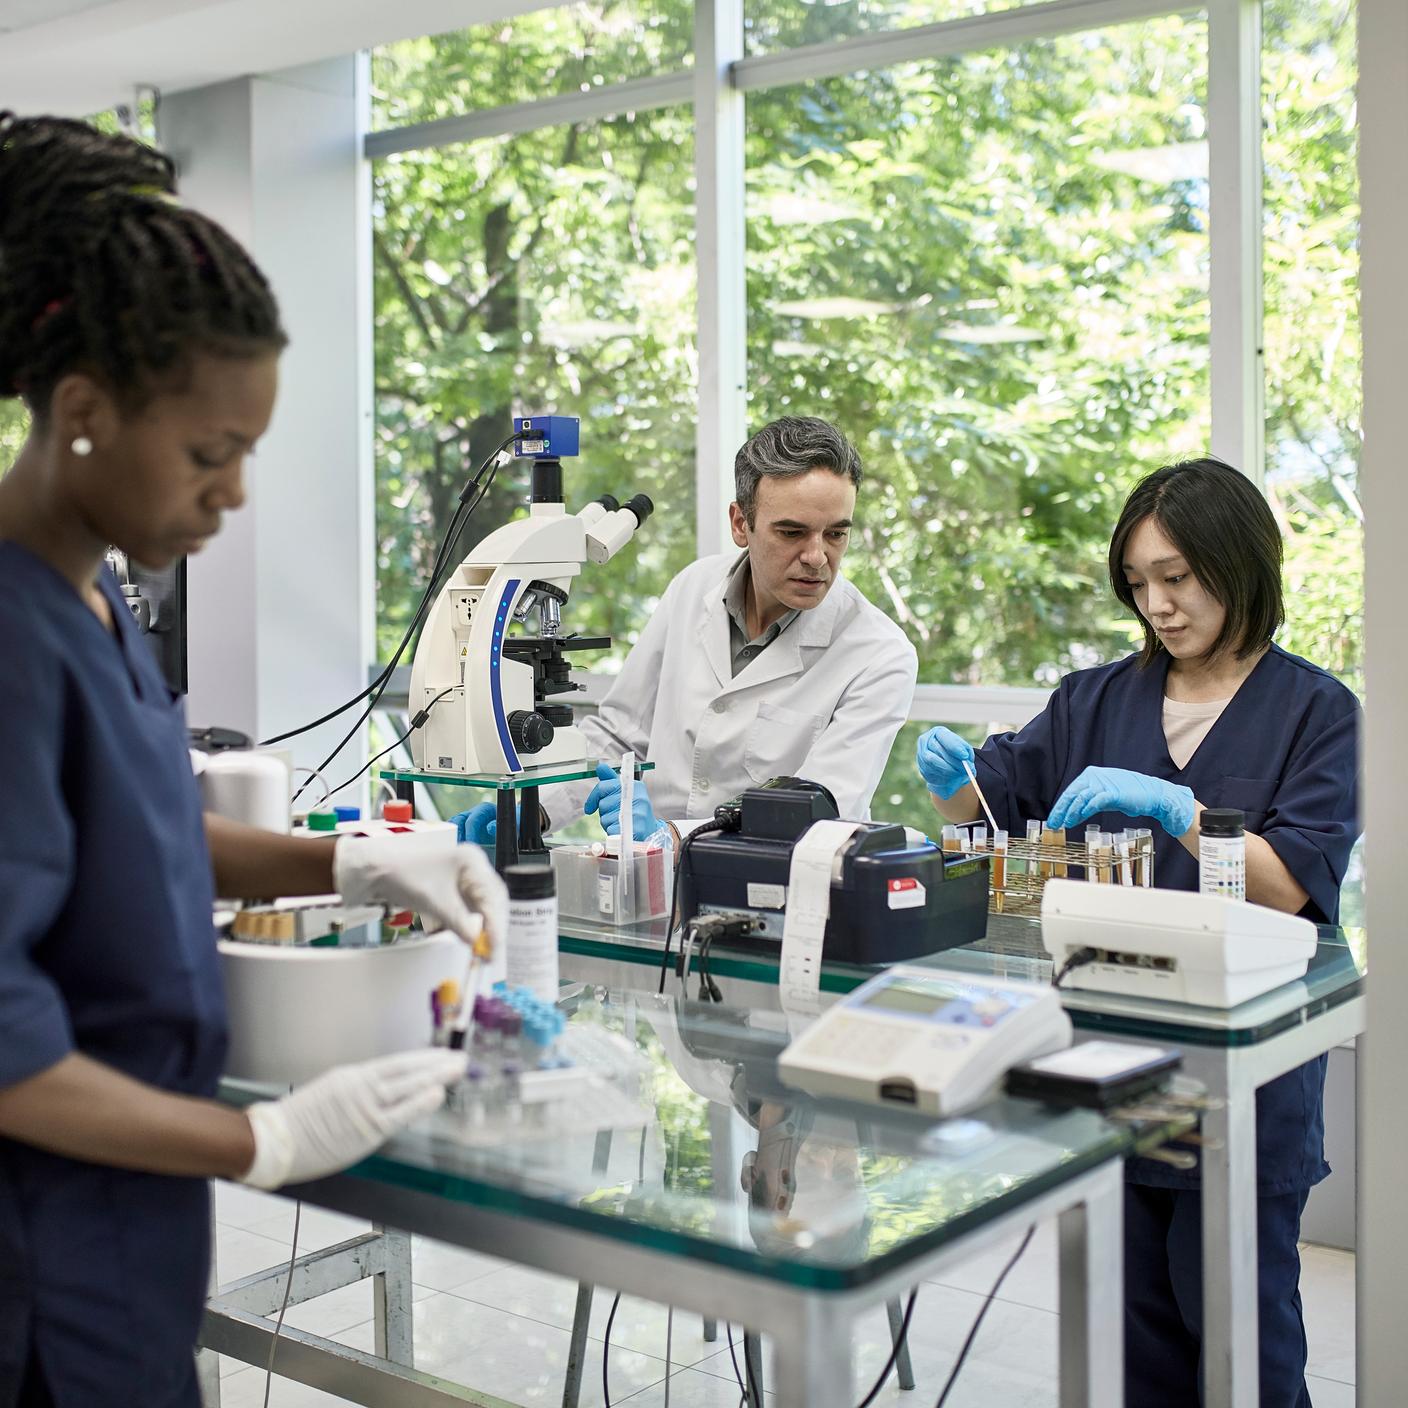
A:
[(837, 1193), (1013, 949)]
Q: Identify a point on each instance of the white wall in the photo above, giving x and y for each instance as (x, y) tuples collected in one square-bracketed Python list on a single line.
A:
[(278, 628), (1383, 1230)]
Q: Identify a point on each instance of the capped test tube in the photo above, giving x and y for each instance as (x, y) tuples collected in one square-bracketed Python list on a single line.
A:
[(1123, 850), (950, 839), (999, 867), (980, 837)]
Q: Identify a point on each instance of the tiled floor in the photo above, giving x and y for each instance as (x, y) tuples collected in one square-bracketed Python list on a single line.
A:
[(504, 1330)]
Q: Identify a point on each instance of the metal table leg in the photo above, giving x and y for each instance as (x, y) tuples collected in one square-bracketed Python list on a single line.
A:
[(1230, 1330), (582, 1315), (894, 1309), (1091, 1239), (813, 1358), (207, 1361), (391, 1299)]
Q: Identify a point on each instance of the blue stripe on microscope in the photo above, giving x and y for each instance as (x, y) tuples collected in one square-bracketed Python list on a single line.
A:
[(496, 690)]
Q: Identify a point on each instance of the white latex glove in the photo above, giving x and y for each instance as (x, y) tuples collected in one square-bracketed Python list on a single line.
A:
[(450, 888), (345, 1114)]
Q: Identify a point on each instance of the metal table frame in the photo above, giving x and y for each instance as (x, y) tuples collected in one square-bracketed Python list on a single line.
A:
[(811, 1327), (1233, 1074)]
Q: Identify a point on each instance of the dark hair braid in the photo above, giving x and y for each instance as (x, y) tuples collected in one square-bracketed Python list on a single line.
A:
[(102, 270)]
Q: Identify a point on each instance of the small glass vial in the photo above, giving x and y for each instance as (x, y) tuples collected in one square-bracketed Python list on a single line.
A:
[(1222, 853), (532, 929)]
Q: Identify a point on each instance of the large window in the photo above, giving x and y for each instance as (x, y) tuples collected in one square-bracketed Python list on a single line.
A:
[(1312, 325), (986, 250), (547, 272), (992, 271)]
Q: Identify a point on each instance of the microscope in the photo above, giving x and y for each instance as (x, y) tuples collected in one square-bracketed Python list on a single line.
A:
[(495, 684)]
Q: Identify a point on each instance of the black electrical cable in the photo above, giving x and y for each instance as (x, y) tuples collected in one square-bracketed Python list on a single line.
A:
[(446, 544), (1078, 959), (894, 1352), (710, 828), (466, 509), (977, 1323), (416, 723)]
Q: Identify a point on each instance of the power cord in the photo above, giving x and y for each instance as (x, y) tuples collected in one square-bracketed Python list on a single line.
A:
[(456, 524), (1077, 959), (470, 498), (899, 1341), (416, 722), (895, 1348), (707, 830), (978, 1321), (283, 1307)]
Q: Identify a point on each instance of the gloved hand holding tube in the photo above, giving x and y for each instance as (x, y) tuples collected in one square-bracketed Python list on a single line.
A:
[(940, 757), (343, 1115), (453, 889), (605, 800)]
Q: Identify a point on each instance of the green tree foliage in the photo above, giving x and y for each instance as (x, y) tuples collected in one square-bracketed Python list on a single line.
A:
[(991, 270), (549, 272)]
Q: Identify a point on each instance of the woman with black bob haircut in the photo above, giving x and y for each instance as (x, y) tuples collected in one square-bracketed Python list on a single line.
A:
[(1210, 713), (145, 344)]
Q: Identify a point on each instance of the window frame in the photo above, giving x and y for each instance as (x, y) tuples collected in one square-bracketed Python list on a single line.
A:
[(717, 85)]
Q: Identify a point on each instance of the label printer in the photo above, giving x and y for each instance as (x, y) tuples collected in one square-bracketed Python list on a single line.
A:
[(890, 901)]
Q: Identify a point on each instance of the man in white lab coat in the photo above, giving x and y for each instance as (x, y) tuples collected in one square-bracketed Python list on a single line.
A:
[(755, 663)]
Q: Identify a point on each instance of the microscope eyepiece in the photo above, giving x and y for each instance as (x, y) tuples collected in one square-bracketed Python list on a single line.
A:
[(641, 506), (609, 502)]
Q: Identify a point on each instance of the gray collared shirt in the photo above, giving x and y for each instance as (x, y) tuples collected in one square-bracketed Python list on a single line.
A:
[(736, 604)]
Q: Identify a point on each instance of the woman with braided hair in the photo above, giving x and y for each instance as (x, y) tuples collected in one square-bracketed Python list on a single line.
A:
[(145, 343)]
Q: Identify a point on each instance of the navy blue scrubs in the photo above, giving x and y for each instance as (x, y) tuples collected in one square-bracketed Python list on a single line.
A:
[(1284, 751), (106, 949)]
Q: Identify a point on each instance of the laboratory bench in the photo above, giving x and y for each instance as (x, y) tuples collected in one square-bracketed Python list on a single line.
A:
[(1232, 1052), (653, 1205)]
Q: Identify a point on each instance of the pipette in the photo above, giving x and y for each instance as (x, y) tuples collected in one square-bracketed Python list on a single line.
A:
[(983, 801)]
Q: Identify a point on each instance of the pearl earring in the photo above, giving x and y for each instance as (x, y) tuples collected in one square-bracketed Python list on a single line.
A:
[(82, 445)]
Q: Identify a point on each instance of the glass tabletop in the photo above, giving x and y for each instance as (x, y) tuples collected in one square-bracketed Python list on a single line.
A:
[(724, 1163), (540, 775), (1013, 949)]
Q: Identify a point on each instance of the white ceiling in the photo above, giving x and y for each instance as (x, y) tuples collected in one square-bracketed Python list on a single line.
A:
[(81, 56)]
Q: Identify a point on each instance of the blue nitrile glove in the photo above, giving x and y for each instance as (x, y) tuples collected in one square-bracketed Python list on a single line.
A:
[(479, 824), (605, 800), (1099, 790), (940, 757)]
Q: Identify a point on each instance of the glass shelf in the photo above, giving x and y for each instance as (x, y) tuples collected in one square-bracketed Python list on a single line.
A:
[(1013, 949), (842, 1193), (541, 775)]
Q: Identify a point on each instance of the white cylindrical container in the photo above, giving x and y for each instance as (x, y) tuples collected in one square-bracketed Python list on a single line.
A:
[(1222, 853), (246, 786), (298, 1011), (532, 929)]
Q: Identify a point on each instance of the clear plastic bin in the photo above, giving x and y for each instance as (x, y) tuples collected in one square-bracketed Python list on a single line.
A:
[(589, 882)]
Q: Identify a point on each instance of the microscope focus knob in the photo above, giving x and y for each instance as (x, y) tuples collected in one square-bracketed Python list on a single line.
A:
[(530, 732)]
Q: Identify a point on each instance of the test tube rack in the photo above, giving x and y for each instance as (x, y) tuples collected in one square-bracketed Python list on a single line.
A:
[(1021, 866)]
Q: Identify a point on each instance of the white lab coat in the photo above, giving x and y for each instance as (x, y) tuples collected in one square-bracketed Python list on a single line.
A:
[(823, 701)]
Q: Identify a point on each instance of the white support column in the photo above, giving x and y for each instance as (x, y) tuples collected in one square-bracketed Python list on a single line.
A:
[(1235, 196), (720, 251), (278, 623), (1383, 1230)]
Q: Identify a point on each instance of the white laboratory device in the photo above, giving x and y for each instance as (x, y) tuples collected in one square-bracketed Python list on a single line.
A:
[(933, 1041), (1174, 944), (491, 693)]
